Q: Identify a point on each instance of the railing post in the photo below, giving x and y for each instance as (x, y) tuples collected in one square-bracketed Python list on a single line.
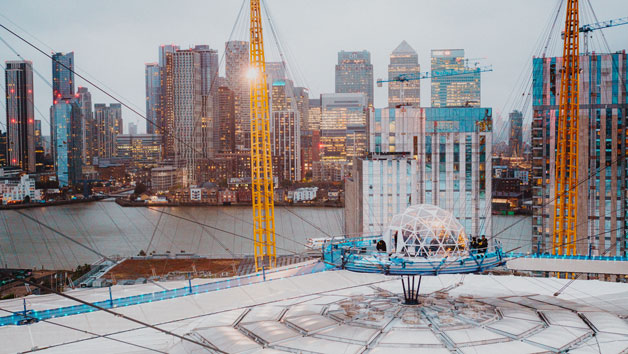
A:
[(264, 273), (110, 298), (190, 282), (24, 302)]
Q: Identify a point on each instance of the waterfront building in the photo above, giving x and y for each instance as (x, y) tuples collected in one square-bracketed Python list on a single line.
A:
[(20, 121), (67, 142), (515, 140), (164, 178), (153, 98), (62, 75), (107, 125), (17, 191), (236, 68), (84, 101), (354, 74), (447, 167), (304, 194), (602, 153), (140, 150), (456, 90), (187, 110), (404, 60), (285, 132)]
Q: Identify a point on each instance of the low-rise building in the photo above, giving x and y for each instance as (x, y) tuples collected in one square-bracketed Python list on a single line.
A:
[(227, 196), (17, 191), (164, 178), (304, 194)]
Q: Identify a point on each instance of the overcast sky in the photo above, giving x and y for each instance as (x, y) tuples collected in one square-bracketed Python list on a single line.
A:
[(113, 39)]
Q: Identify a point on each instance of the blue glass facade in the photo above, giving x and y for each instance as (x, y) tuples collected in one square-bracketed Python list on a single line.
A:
[(456, 90), (67, 142), (153, 99), (602, 151), (62, 75)]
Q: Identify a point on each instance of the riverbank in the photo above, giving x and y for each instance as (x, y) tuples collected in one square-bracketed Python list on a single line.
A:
[(124, 202), (50, 203)]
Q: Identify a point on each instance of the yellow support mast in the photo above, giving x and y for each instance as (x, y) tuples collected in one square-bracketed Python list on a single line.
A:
[(565, 187), (261, 161)]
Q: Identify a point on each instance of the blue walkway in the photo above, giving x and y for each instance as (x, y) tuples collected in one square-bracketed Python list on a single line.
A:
[(18, 318)]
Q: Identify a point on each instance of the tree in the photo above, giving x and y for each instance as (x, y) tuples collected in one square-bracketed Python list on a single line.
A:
[(27, 199), (139, 188)]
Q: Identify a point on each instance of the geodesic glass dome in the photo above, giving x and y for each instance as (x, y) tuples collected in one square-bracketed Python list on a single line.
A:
[(425, 230)]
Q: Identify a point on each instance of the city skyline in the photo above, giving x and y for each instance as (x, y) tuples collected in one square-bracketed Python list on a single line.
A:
[(316, 54)]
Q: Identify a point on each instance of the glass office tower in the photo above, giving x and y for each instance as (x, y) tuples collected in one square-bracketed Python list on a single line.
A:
[(354, 74), (457, 90)]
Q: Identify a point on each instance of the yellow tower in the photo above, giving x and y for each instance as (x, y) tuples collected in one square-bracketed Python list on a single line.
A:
[(261, 161), (565, 187)]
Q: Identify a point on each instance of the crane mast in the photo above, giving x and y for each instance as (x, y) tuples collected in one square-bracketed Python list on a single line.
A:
[(261, 161), (565, 187)]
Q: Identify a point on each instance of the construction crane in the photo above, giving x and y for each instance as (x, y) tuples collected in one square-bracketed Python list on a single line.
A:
[(432, 74), (586, 29), (565, 187), (261, 161)]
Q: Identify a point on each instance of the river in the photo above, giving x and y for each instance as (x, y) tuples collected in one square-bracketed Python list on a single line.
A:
[(105, 228)]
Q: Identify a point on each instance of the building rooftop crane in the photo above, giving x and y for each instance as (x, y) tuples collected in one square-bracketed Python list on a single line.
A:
[(403, 78), (432, 74), (586, 29)]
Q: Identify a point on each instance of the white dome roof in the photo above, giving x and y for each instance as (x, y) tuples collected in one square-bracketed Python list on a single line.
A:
[(425, 229)]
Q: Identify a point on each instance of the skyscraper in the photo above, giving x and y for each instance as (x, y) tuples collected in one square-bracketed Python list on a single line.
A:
[(20, 115), (354, 74), (84, 101), (456, 90), (602, 211), (404, 61), (515, 140), (285, 132), (67, 142), (153, 99), (62, 75), (39, 148), (209, 64), (108, 124), (166, 99), (226, 120), (302, 98), (275, 70), (187, 110), (236, 66)]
